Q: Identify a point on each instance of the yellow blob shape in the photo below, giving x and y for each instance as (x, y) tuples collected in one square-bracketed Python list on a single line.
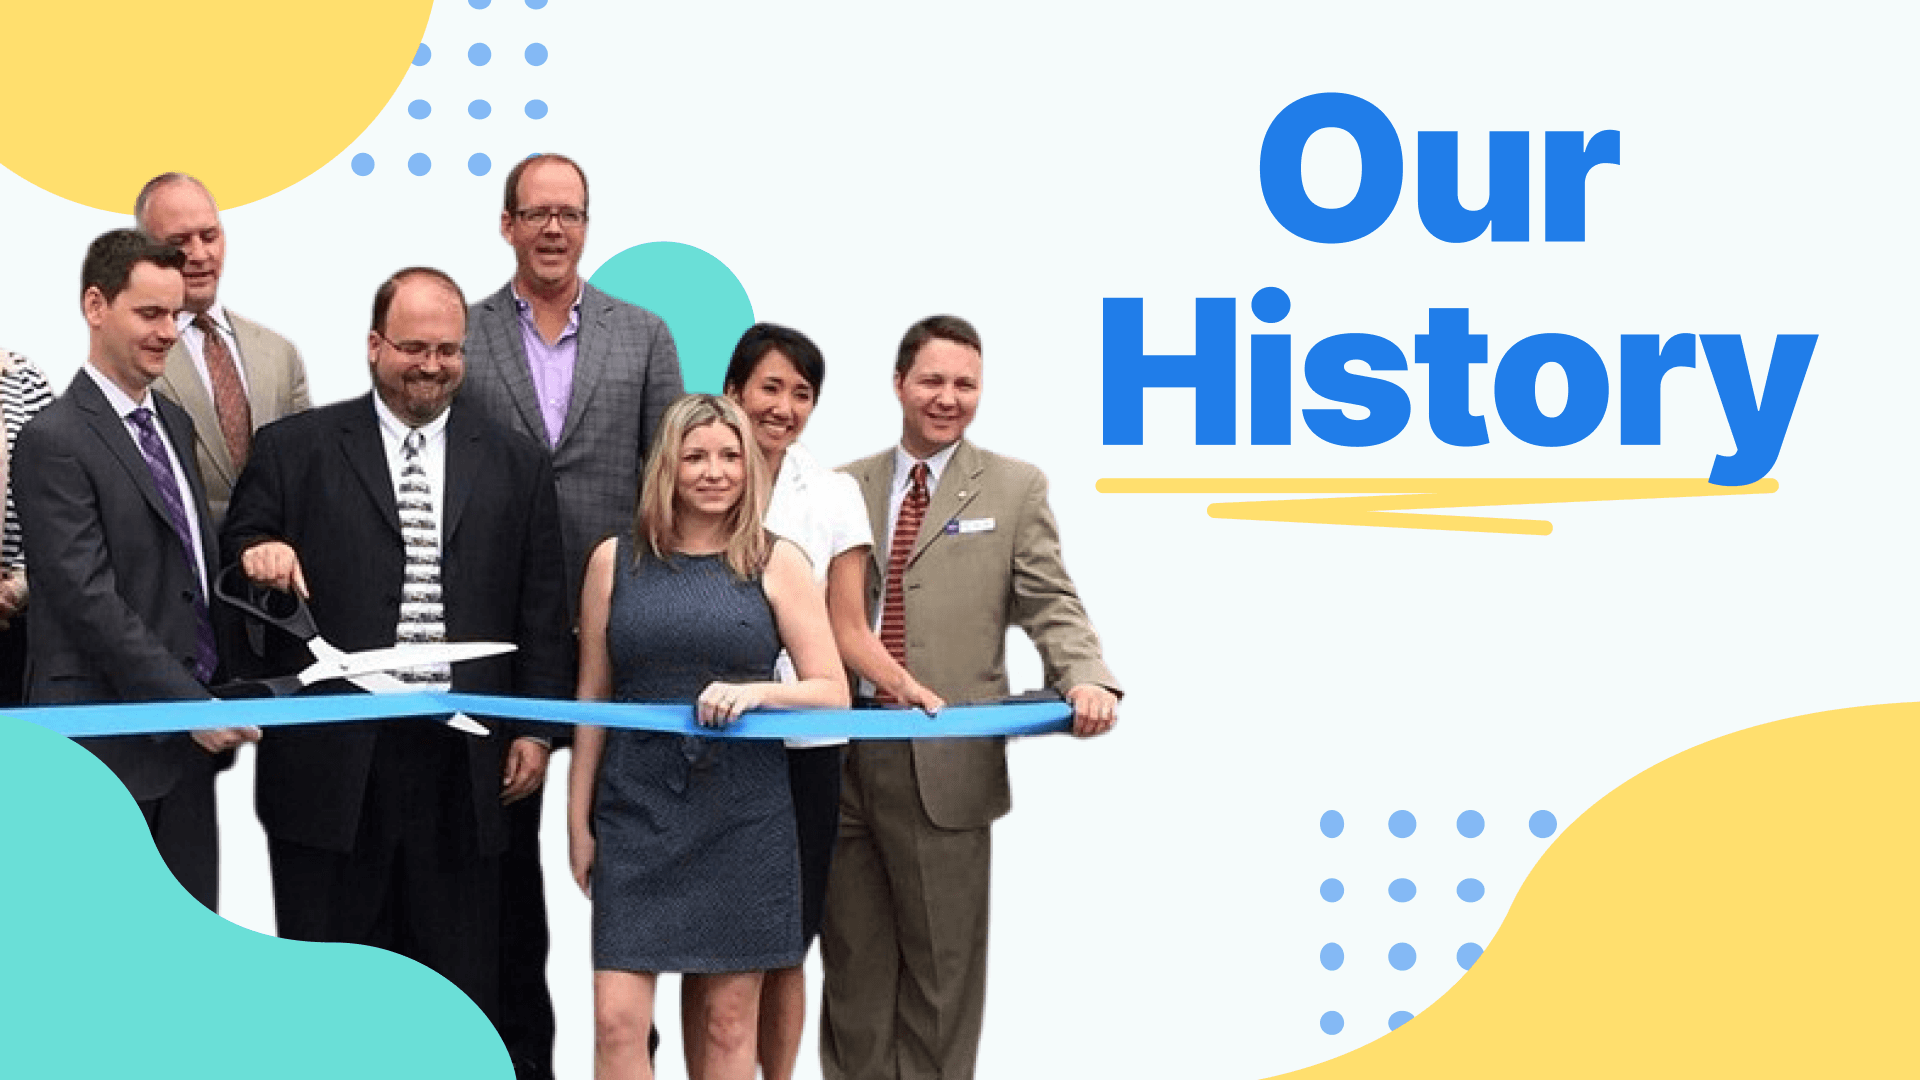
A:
[(250, 97), (1744, 908)]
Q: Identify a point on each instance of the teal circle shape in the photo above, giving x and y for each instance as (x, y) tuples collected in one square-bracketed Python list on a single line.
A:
[(702, 302)]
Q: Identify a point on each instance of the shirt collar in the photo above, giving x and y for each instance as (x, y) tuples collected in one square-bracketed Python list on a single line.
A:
[(525, 307), (903, 463), (398, 429), (184, 318), (116, 397)]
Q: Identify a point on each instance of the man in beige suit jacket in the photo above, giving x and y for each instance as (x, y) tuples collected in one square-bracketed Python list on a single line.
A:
[(905, 936), (177, 209)]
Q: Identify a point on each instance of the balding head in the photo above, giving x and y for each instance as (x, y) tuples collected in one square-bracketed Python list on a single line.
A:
[(177, 209)]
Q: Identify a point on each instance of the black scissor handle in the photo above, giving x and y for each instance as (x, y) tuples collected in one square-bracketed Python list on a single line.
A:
[(274, 607)]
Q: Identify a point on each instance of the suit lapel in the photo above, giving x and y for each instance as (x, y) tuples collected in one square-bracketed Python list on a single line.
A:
[(876, 478), (367, 455), (592, 351), (958, 487), (463, 470), (112, 431), (500, 323), (181, 382), (261, 391)]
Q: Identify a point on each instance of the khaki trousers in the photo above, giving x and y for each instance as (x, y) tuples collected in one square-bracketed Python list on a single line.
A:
[(904, 942)]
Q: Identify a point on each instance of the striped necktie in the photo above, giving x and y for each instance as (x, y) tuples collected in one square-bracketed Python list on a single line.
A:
[(893, 604), (422, 617)]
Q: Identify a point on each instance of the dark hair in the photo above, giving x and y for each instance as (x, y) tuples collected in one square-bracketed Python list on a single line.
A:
[(763, 338), (383, 296), (165, 179), (521, 166), (113, 255), (944, 327)]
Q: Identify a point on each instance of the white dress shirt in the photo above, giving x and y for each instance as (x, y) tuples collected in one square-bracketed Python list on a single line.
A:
[(433, 456), (824, 515), (124, 407), (196, 343)]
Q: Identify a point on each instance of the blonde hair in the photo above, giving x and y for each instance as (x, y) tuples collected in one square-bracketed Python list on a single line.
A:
[(748, 544)]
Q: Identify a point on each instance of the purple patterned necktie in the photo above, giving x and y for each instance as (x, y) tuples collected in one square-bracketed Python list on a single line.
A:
[(158, 464)]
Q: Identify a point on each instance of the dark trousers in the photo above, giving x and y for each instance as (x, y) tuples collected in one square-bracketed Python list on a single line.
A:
[(186, 830), (813, 776), (526, 1009), (414, 883)]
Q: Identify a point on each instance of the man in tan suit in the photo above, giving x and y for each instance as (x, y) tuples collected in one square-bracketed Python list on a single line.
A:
[(967, 545), (232, 375)]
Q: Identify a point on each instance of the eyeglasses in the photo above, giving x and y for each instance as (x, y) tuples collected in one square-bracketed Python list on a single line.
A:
[(446, 350), (540, 215)]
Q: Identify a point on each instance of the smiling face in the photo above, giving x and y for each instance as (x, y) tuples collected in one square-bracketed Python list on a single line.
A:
[(131, 333), (938, 396), (777, 400), (182, 214), (417, 362), (547, 251), (712, 472)]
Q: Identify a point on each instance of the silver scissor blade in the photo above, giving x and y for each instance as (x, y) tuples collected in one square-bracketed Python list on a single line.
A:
[(379, 683), (331, 663)]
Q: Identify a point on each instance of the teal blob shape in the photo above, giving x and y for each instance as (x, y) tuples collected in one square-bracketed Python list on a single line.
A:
[(118, 972), (703, 304)]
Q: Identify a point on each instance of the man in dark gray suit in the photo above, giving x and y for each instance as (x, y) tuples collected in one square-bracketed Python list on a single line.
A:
[(119, 549), (587, 377)]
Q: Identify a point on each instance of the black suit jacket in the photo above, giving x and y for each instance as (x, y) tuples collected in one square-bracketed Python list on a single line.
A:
[(112, 617), (319, 481)]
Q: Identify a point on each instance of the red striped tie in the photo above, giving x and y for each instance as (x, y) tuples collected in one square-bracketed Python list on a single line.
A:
[(893, 604)]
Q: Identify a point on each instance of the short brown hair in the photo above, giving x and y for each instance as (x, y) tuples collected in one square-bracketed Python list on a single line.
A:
[(113, 255), (383, 296), (521, 166), (944, 327)]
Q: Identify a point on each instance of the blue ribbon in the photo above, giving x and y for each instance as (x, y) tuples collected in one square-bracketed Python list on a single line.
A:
[(959, 721)]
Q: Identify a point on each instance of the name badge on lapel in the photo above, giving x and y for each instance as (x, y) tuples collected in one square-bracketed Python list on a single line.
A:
[(960, 527)]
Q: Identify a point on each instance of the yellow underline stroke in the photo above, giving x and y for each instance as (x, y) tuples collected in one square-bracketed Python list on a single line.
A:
[(1379, 502)]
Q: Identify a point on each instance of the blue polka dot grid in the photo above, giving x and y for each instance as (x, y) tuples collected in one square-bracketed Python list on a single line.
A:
[(1467, 955), (1331, 823), (1332, 956), (479, 164), (1471, 890), (536, 4), (419, 109), (421, 55), (479, 108), (1541, 824), (1401, 1017), (362, 164), (1331, 890), (1471, 824), (418, 164), (478, 54), (478, 4), (1401, 890), (1401, 824), (536, 54), (1332, 1022), (536, 109)]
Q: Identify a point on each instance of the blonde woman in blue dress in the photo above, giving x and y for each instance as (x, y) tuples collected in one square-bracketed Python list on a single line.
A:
[(686, 844)]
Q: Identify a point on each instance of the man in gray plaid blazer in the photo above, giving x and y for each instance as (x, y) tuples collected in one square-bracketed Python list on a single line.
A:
[(587, 377)]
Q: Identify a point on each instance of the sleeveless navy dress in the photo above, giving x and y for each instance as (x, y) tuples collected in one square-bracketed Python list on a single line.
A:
[(697, 866)]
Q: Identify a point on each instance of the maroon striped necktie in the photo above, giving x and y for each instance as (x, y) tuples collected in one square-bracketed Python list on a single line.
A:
[(229, 395), (893, 604)]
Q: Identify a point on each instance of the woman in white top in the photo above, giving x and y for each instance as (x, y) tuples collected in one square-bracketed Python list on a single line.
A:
[(775, 376)]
